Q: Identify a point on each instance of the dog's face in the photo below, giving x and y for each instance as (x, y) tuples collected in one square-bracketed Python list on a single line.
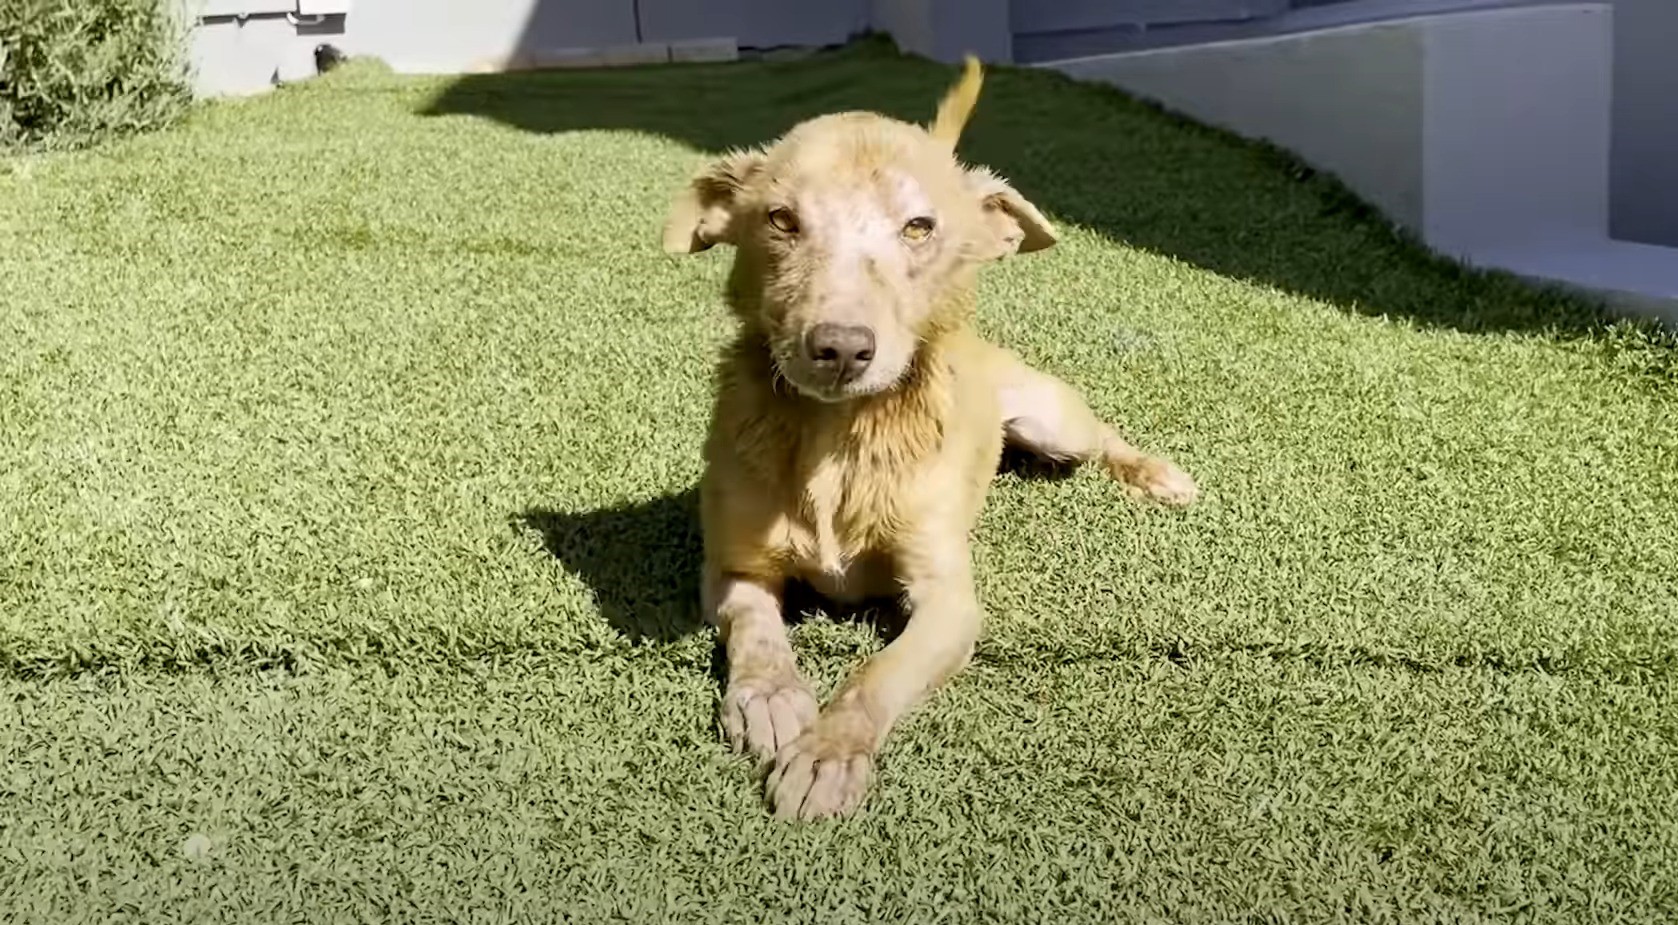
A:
[(857, 237)]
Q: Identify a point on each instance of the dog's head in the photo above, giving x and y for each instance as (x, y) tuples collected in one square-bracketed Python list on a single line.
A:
[(857, 239)]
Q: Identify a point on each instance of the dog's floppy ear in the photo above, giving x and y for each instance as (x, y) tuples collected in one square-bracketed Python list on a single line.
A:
[(1013, 224), (704, 209)]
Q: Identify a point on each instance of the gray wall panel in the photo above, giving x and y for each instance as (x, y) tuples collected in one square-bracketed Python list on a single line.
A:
[(1644, 190)]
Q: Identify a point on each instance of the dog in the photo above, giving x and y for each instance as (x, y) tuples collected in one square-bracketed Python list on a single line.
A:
[(859, 421)]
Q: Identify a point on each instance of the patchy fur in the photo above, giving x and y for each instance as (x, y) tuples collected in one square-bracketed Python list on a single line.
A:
[(858, 461)]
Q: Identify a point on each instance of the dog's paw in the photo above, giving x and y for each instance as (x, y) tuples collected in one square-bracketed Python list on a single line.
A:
[(1157, 479), (761, 717), (824, 773)]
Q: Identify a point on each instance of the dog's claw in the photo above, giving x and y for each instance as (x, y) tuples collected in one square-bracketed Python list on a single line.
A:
[(1157, 479), (819, 776), (762, 717)]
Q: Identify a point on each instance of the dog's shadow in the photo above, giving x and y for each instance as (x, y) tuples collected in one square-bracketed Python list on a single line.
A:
[(1030, 467), (642, 562)]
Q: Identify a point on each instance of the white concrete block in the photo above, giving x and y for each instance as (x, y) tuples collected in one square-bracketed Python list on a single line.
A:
[(544, 58), (562, 57), (506, 63), (634, 54), (698, 50), (238, 57)]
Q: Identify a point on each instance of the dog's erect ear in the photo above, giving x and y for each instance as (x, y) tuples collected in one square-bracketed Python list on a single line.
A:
[(1014, 225), (704, 209)]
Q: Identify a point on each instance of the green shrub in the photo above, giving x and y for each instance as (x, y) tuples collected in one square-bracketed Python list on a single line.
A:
[(74, 72)]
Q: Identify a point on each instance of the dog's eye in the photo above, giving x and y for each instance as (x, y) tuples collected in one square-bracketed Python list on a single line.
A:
[(783, 220), (918, 229)]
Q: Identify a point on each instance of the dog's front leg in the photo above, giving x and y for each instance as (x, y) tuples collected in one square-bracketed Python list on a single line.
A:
[(767, 703), (826, 771)]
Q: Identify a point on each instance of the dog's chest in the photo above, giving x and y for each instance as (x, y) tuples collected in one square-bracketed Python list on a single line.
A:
[(848, 511)]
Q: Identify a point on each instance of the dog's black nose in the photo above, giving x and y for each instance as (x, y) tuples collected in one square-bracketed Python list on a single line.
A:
[(844, 350)]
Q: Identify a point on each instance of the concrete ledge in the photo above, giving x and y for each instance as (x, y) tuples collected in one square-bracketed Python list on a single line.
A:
[(697, 51), (555, 58), (1032, 45), (692, 51), (1637, 280)]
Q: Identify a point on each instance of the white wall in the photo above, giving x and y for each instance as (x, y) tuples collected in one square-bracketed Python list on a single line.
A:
[(1486, 133), (1348, 101), (1517, 127), (250, 53)]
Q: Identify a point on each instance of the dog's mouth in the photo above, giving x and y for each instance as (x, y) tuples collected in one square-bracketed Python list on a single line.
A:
[(827, 385), (830, 389)]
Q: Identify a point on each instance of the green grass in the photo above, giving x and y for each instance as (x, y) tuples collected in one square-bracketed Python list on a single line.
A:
[(348, 566)]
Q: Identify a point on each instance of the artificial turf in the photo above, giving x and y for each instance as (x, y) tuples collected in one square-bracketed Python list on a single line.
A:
[(348, 567)]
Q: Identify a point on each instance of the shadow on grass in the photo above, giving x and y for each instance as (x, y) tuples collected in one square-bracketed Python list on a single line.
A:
[(1087, 154), (642, 562)]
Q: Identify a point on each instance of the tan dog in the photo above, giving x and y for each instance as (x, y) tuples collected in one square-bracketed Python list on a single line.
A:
[(859, 420)]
